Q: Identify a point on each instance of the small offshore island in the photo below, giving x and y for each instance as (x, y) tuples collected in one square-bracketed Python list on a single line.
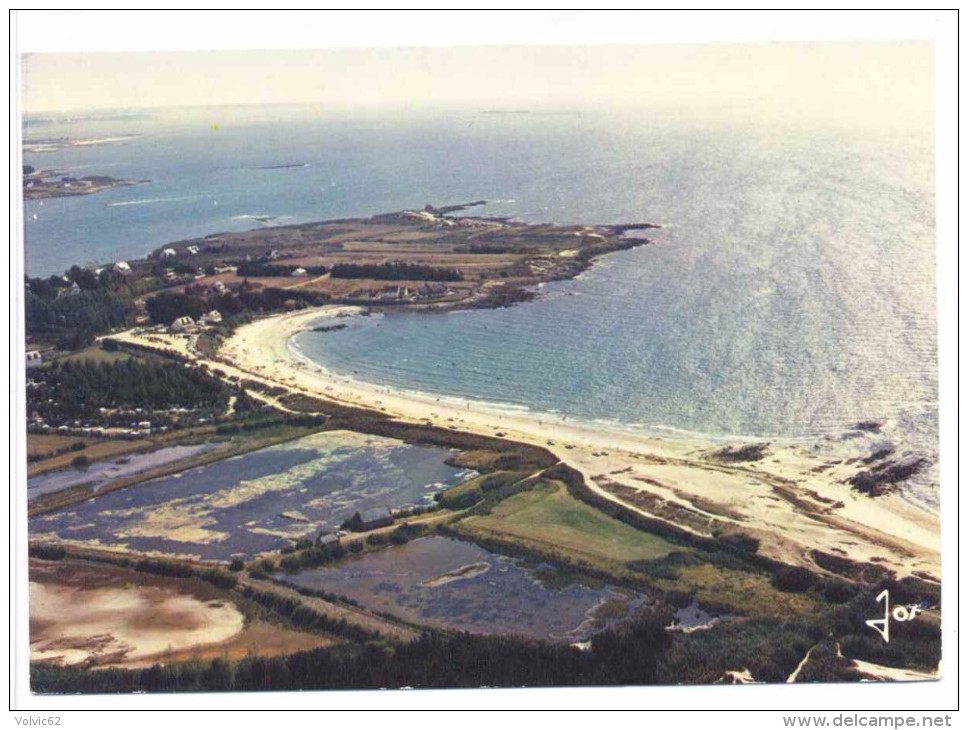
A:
[(43, 184), (54, 144), (670, 561)]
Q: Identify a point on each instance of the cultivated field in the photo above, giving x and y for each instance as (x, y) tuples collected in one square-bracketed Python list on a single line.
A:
[(547, 517)]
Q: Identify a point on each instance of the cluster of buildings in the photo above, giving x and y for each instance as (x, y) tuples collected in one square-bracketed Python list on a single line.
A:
[(215, 288), (170, 253), (186, 325), (390, 293), (134, 429)]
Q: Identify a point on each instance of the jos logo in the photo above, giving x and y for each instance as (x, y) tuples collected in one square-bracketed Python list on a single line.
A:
[(900, 613)]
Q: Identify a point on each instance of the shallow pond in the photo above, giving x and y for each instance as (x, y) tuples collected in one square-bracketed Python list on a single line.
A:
[(101, 472), (436, 581), (256, 502)]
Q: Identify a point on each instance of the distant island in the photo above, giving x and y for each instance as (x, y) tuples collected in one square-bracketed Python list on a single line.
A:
[(283, 167), (41, 184), (52, 144), (519, 112)]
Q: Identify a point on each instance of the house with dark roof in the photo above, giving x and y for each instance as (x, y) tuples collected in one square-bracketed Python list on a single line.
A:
[(370, 519)]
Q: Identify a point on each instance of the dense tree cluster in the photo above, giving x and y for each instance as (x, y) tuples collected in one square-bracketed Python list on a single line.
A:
[(78, 317), (108, 280), (395, 271), (770, 650), (82, 304), (78, 390), (166, 307)]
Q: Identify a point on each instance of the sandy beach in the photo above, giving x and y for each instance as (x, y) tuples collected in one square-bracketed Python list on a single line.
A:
[(794, 500)]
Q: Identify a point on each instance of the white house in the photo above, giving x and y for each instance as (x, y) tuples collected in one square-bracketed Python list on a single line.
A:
[(168, 253), (193, 250), (298, 272), (33, 359), (423, 215), (213, 317), (183, 324), (123, 267), (72, 289)]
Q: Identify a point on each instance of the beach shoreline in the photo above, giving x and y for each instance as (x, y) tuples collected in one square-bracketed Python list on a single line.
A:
[(794, 502)]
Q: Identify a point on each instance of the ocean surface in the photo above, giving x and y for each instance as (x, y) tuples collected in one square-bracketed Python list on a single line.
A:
[(790, 293)]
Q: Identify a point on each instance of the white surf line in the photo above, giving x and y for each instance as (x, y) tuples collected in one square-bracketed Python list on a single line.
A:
[(147, 201)]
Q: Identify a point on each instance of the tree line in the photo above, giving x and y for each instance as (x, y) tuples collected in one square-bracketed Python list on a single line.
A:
[(262, 268), (395, 271)]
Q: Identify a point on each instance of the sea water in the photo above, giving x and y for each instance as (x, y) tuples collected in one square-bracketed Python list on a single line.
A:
[(790, 292)]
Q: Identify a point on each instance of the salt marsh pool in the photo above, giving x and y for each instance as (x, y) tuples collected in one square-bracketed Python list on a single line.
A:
[(257, 502), (445, 583), (101, 472)]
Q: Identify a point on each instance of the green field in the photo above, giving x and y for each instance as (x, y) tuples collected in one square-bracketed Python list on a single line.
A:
[(94, 353), (547, 517)]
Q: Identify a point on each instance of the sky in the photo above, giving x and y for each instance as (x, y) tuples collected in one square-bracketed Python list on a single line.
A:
[(880, 82)]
